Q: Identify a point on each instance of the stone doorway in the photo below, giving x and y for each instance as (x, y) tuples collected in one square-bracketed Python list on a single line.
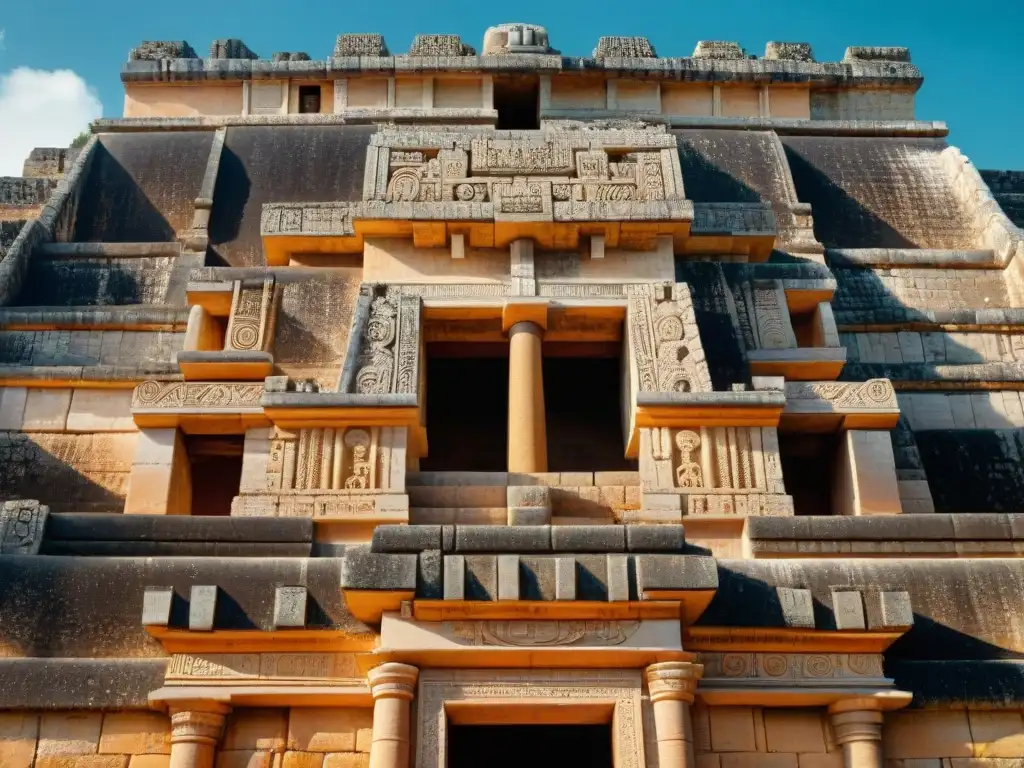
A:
[(537, 746)]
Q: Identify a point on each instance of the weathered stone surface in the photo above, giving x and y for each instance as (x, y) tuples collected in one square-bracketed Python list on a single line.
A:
[(406, 538), (588, 538), (675, 572), (655, 538), (485, 538), (135, 733), (369, 570)]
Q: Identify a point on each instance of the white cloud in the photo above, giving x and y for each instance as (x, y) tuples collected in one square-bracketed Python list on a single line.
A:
[(40, 108)]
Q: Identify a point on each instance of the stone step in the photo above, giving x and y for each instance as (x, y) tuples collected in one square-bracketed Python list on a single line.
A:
[(578, 501), (552, 479), (458, 515)]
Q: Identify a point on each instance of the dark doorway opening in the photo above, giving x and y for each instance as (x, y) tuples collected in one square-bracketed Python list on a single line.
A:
[(467, 408), (582, 403), (539, 746), (215, 464), (809, 464), (517, 100), (309, 99)]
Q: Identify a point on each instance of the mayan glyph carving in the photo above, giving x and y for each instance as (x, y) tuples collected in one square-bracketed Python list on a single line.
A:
[(253, 316), (387, 332), (351, 459), (254, 667), (664, 341), (688, 471), (544, 633)]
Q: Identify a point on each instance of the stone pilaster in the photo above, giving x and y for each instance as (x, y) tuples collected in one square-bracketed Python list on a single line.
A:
[(859, 732), (671, 685), (393, 686), (196, 728), (527, 434)]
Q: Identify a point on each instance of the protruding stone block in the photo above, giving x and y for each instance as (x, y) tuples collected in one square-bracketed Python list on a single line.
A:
[(789, 51), (370, 570), (877, 53), (528, 496), (231, 48), (611, 46), (536, 516), (565, 578), (675, 573), (393, 539), (156, 606), (440, 45), (618, 578), (797, 607), (655, 538), (290, 607), (202, 607), (848, 607), (515, 38), (454, 577), (22, 523), (889, 611), (717, 49), (490, 538), (768, 383), (508, 577), (360, 45), (588, 538), (430, 575)]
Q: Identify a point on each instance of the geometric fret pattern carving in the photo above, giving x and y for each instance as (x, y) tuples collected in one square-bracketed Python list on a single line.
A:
[(620, 688)]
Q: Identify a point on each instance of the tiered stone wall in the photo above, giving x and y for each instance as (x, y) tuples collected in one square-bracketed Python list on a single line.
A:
[(297, 738), (84, 740), (754, 737), (953, 739)]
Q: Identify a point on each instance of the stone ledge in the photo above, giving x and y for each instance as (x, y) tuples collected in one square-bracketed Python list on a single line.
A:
[(62, 683), (134, 317), (177, 528), (905, 257), (467, 539), (108, 250), (88, 373), (910, 376), (914, 319), (859, 71)]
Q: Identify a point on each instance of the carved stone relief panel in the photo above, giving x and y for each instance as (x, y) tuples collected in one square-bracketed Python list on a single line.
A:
[(715, 470), (664, 341), (253, 315), (620, 688), (384, 348), (764, 315)]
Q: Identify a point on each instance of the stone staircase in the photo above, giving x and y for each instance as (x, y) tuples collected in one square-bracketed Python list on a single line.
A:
[(483, 498)]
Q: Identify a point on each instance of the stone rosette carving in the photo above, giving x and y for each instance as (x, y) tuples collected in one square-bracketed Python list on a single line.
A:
[(218, 396), (22, 523), (544, 633), (855, 667), (253, 315)]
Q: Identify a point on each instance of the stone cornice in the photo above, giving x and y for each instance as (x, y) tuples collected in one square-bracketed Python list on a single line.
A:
[(855, 73)]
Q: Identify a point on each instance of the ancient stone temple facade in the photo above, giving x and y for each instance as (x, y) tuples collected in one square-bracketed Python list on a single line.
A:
[(493, 406)]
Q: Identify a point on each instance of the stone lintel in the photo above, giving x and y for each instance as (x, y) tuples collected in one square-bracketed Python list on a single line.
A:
[(270, 694), (799, 364), (497, 643)]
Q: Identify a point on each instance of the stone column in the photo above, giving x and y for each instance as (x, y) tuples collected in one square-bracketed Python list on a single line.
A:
[(196, 728), (859, 732), (527, 434), (672, 685), (393, 686)]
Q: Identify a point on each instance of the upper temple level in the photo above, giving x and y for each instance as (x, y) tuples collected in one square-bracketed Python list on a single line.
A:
[(517, 80)]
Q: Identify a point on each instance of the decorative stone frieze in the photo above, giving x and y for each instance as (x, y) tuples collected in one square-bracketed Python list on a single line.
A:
[(877, 53), (808, 396), (156, 50), (854, 668), (259, 668), (788, 51), (191, 395), (718, 49)]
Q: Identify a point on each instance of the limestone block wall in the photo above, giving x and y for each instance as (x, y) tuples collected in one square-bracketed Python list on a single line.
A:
[(84, 740), (862, 104), (71, 448), (868, 291), (297, 738), (756, 737), (953, 739)]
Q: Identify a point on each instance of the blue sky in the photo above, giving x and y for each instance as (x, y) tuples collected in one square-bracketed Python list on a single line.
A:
[(969, 52)]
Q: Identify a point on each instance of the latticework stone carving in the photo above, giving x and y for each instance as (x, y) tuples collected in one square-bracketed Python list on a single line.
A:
[(155, 50), (624, 48), (440, 45), (718, 49), (360, 45)]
